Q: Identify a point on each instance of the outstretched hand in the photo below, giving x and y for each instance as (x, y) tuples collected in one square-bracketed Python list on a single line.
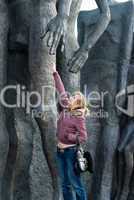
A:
[(53, 67), (78, 60), (56, 29)]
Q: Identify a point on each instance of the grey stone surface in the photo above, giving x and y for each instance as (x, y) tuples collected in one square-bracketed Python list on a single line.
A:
[(71, 81), (4, 140), (90, 38), (22, 29), (40, 178), (21, 181), (127, 142), (107, 70), (30, 158), (39, 65)]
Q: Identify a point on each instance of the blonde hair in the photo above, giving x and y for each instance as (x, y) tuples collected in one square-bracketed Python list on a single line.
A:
[(79, 103)]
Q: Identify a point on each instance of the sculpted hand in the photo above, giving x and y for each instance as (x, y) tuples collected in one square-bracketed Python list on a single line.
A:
[(78, 60), (56, 29)]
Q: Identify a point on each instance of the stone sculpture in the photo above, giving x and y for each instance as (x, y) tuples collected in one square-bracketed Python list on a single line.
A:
[(18, 45), (47, 27), (105, 72), (81, 55), (42, 55), (126, 147), (32, 39)]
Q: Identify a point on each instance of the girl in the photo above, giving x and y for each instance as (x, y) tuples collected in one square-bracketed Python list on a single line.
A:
[(71, 123)]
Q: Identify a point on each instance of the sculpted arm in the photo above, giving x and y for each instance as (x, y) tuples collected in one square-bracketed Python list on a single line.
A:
[(64, 7), (101, 24), (81, 55)]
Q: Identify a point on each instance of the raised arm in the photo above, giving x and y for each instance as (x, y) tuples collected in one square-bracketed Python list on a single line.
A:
[(58, 82), (63, 97), (64, 7), (80, 56)]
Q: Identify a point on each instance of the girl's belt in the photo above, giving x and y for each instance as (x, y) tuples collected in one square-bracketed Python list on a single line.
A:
[(66, 149)]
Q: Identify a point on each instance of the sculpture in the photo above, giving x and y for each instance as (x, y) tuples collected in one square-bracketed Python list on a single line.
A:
[(18, 46), (105, 72), (90, 39), (126, 149), (20, 148), (47, 27), (43, 44), (21, 39), (41, 56)]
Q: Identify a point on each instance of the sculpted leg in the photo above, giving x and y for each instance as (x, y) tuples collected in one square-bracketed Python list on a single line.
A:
[(47, 128), (41, 76), (129, 163), (24, 130), (125, 156), (109, 134), (131, 193), (107, 167), (20, 128), (127, 146)]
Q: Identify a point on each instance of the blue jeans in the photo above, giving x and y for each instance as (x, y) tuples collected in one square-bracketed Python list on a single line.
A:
[(69, 179)]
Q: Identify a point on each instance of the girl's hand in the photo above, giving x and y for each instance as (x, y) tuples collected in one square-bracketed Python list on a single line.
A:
[(61, 145), (53, 67)]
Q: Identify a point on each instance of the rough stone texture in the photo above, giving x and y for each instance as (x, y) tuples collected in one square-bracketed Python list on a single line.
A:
[(27, 175), (25, 141), (39, 66), (40, 179), (130, 152), (4, 140), (106, 70), (126, 147), (71, 81)]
